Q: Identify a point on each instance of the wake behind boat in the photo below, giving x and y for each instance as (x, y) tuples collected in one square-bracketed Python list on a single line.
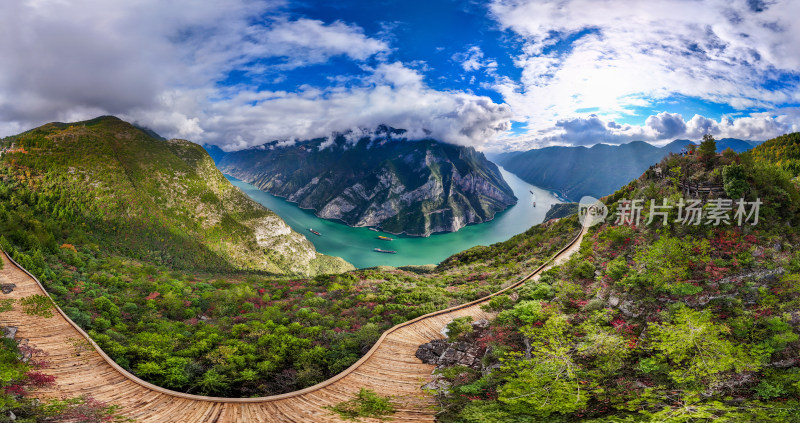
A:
[(374, 229), (314, 232), (378, 250)]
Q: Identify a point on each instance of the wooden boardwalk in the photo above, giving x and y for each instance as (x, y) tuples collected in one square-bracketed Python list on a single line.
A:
[(389, 368)]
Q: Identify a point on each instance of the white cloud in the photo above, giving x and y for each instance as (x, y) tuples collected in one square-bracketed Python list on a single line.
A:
[(393, 95), (160, 63), (660, 128), (473, 60), (627, 54), (306, 41)]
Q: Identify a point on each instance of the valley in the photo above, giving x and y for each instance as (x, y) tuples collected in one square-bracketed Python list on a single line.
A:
[(355, 244), (379, 179)]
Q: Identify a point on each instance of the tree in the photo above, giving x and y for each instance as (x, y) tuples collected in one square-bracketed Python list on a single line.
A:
[(696, 349), (708, 150), (735, 180), (550, 382)]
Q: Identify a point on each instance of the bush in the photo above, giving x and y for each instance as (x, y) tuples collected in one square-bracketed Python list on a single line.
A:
[(585, 270), (617, 268), (500, 302), (459, 326), (367, 403), (37, 305)]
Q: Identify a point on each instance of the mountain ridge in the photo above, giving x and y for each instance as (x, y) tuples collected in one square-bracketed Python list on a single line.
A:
[(159, 191), (597, 170), (382, 180)]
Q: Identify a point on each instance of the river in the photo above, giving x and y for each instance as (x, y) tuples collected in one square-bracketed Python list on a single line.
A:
[(355, 244)]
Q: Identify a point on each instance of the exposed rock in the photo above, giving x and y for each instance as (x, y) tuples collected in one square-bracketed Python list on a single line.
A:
[(9, 332), (429, 353), (731, 383), (7, 288), (438, 384), (613, 301), (783, 364), (627, 309), (379, 179), (463, 352), (481, 324)]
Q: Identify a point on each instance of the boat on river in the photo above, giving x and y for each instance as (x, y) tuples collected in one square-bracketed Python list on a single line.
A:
[(314, 232), (385, 238), (378, 250)]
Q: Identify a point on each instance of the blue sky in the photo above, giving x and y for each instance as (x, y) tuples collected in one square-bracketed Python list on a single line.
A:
[(497, 74)]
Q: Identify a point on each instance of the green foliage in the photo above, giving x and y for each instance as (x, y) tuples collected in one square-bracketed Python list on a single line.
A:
[(783, 151), (498, 303), (37, 305), (735, 180), (667, 260), (458, 327), (707, 149), (696, 348), (366, 404), (164, 307), (584, 270), (549, 382), (6, 304), (617, 268), (524, 312), (608, 350), (683, 323)]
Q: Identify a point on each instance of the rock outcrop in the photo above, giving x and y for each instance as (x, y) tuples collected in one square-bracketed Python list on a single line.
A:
[(380, 180)]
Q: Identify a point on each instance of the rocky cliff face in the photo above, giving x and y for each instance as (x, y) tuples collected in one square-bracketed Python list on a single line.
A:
[(380, 180)]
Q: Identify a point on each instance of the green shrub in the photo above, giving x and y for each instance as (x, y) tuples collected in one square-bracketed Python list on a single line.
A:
[(459, 326), (585, 270), (37, 305), (366, 403)]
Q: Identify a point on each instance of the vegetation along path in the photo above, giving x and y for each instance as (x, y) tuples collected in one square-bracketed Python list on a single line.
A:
[(389, 368)]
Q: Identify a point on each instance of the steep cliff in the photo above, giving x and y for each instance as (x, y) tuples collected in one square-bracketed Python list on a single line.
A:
[(379, 179)]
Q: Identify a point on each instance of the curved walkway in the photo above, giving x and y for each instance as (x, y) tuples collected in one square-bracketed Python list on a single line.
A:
[(389, 367)]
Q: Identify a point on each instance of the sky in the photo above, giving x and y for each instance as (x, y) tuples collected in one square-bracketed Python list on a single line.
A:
[(498, 75)]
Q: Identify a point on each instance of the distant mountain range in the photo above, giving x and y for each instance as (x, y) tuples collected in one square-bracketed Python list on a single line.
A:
[(596, 171), (378, 179)]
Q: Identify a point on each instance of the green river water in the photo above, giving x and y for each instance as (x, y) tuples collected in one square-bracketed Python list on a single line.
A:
[(355, 244)]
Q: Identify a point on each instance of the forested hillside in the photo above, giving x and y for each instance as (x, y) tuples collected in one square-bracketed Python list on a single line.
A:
[(783, 151), (107, 183), (598, 170), (661, 322)]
